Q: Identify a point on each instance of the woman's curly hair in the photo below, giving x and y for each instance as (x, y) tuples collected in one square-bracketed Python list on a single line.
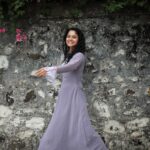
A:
[(80, 45)]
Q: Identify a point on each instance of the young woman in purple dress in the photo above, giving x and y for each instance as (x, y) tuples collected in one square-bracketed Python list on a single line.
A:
[(70, 127)]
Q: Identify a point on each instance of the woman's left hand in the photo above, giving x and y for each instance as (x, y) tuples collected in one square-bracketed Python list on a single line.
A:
[(41, 72)]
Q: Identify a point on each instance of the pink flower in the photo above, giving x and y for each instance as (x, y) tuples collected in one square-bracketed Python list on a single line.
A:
[(18, 37), (24, 37), (2, 30), (18, 30)]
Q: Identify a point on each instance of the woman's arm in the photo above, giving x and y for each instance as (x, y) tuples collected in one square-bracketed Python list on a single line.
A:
[(51, 72), (74, 63)]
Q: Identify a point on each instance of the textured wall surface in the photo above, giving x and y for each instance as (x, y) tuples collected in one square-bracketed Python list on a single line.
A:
[(116, 81)]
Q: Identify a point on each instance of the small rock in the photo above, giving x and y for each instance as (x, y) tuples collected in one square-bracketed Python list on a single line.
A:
[(5, 111), (130, 92), (41, 93), (30, 95), (33, 73), (102, 108), (134, 79), (9, 98), (136, 134), (25, 134), (112, 91), (2, 138), (8, 49), (148, 91), (4, 63), (35, 123), (119, 52), (16, 144), (34, 56), (137, 123), (118, 78), (41, 42), (113, 126)]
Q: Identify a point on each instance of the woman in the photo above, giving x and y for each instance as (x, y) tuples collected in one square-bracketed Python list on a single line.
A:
[(70, 127)]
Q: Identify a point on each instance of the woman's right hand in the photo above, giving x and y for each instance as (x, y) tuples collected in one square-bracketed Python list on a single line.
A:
[(41, 72)]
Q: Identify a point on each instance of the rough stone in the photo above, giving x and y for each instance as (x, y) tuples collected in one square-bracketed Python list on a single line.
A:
[(4, 63), (113, 126), (102, 108), (118, 78), (35, 123), (41, 93), (116, 81), (8, 49), (137, 123), (5, 111), (25, 134)]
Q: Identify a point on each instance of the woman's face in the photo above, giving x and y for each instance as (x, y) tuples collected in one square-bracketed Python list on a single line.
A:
[(72, 39)]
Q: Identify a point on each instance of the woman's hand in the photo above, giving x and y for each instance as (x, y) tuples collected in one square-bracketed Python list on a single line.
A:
[(41, 72)]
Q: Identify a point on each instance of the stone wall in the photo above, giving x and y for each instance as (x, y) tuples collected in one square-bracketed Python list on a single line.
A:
[(116, 81)]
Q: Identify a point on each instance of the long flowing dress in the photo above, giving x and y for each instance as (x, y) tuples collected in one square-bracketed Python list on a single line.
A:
[(70, 127)]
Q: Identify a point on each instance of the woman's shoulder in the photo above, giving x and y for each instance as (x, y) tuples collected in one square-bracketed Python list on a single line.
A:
[(79, 54)]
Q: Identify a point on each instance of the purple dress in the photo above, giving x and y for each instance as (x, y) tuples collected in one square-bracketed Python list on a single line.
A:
[(70, 127)]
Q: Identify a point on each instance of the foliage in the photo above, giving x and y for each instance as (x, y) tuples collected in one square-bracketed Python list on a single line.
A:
[(18, 8), (115, 5), (75, 12)]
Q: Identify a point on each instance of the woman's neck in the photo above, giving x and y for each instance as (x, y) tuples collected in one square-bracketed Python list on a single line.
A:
[(71, 49)]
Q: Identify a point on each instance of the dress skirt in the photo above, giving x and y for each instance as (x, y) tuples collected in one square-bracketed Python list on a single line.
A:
[(70, 127)]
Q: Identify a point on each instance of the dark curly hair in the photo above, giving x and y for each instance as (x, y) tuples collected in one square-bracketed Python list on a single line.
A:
[(79, 48)]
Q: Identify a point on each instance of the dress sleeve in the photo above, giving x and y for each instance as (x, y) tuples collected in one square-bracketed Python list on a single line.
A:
[(72, 65), (51, 74)]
